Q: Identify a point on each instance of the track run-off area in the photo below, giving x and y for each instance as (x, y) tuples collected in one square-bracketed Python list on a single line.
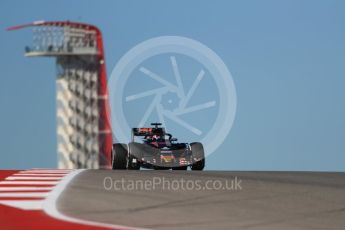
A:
[(129, 199)]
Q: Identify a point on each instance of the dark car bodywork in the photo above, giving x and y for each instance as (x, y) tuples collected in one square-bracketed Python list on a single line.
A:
[(159, 149)]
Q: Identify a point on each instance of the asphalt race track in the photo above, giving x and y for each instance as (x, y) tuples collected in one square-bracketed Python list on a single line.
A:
[(261, 200)]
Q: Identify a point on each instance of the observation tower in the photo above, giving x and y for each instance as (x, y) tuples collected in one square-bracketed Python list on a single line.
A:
[(84, 137)]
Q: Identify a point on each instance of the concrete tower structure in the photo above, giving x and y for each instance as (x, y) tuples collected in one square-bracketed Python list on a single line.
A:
[(83, 115)]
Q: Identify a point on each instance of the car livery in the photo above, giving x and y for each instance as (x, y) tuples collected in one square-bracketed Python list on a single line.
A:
[(157, 150)]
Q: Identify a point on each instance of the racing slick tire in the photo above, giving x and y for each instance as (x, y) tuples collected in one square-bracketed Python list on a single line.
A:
[(133, 153), (119, 156), (198, 156)]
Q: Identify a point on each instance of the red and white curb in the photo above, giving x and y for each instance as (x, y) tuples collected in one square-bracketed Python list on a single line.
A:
[(28, 199), (28, 190)]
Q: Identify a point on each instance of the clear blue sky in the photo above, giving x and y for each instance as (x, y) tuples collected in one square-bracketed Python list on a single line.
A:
[(287, 59)]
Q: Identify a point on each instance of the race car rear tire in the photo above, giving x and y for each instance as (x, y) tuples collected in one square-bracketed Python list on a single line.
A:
[(120, 156), (198, 156)]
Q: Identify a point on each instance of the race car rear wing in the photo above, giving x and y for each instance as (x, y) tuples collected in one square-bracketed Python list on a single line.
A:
[(147, 132)]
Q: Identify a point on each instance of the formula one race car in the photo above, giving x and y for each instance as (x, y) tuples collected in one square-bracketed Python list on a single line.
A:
[(158, 150)]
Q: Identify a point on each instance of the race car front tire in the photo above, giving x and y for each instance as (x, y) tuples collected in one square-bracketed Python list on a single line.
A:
[(198, 156), (120, 156)]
